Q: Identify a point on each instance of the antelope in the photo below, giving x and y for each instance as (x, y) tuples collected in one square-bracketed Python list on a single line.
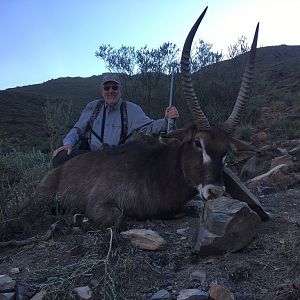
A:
[(143, 180)]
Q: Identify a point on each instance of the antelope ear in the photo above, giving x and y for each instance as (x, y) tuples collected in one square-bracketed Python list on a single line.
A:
[(241, 146), (176, 137)]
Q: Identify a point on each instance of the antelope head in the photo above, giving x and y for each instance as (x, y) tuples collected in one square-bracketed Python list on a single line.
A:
[(210, 143)]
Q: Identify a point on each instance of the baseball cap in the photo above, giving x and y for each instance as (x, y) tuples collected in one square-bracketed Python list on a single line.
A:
[(106, 77)]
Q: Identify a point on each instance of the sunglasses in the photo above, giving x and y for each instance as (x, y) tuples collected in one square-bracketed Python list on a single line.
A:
[(108, 87)]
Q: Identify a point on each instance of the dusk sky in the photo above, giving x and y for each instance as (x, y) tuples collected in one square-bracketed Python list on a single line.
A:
[(48, 39)]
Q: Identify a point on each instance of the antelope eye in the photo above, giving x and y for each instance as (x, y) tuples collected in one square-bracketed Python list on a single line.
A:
[(198, 144)]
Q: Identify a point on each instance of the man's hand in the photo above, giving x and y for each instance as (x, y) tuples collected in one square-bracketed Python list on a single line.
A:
[(67, 148), (171, 112)]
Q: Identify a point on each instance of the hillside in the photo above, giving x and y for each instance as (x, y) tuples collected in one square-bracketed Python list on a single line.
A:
[(45, 255), (277, 87)]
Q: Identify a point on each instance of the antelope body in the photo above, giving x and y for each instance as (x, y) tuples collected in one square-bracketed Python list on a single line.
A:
[(145, 180)]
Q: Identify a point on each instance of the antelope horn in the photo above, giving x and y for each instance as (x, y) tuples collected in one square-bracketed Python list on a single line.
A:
[(243, 95), (197, 114)]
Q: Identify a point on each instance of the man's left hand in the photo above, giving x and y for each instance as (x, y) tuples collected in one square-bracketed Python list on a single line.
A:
[(171, 112)]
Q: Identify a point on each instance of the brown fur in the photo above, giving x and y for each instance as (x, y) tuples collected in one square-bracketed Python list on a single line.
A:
[(139, 179)]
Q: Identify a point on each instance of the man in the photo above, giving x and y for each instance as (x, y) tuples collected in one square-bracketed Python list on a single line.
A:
[(110, 121)]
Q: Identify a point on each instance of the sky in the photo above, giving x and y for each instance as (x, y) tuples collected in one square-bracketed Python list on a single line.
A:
[(47, 39)]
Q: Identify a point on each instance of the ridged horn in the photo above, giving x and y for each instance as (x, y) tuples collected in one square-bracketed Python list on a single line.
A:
[(245, 89), (186, 80)]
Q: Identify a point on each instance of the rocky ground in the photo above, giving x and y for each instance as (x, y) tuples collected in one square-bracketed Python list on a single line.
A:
[(268, 268), (106, 265)]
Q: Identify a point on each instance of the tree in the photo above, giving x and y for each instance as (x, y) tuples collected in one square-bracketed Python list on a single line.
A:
[(57, 116), (122, 60), (147, 71), (240, 47), (203, 56)]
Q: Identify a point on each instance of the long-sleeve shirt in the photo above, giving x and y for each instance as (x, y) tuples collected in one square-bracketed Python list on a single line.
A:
[(137, 119)]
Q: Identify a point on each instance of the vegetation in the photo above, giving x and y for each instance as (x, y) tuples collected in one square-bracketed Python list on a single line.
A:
[(34, 119), (24, 124), (19, 174)]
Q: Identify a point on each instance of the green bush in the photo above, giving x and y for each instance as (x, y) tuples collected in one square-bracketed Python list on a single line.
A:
[(288, 128), (20, 172), (243, 133)]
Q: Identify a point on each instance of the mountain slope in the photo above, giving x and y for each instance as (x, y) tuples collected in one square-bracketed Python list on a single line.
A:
[(277, 86)]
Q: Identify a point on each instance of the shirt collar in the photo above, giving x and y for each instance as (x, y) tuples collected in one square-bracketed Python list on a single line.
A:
[(115, 106)]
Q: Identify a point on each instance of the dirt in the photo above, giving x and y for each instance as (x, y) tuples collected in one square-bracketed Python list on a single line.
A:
[(114, 269)]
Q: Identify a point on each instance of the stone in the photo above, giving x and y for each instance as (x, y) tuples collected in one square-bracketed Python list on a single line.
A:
[(39, 296), (283, 159), (7, 284), (282, 150), (229, 225), (295, 150), (14, 271), (193, 208), (266, 190), (252, 167), (192, 294), (217, 292), (7, 296), (161, 295), (272, 175), (145, 239), (261, 136), (198, 275), (182, 231), (239, 191), (77, 230), (83, 292)]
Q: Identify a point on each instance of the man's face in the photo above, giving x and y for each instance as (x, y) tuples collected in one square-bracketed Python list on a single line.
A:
[(111, 92)]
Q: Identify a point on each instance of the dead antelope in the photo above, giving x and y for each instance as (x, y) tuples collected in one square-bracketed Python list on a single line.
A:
[(150, 181)]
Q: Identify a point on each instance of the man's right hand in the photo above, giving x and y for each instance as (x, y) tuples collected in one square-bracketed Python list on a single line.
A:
[(67, 148)]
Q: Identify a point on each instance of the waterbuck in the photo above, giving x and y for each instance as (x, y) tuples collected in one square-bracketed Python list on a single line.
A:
[(145, 180)]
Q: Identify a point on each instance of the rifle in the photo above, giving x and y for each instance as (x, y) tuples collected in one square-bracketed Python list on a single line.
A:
[(171, 122)]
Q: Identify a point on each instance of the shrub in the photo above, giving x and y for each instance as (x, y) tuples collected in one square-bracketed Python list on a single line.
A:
[(285, 127), (243, 133), (19, 174)]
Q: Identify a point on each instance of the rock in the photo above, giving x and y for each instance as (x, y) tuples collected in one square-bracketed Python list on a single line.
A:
[(271, 176), (261, 136), (39, 296), (77, 230), (161, 295), (239, 191), (295, 150), (83, 292), (253, 167), (282, 150), (95, 282), (7, 284), (192, 294), (14, 271), (145, 239), (229, 225), (284, 159), (217, 292), (182, 231), (266, 190), (198, 275), (7, 296), (296, 283), (193, 208)]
